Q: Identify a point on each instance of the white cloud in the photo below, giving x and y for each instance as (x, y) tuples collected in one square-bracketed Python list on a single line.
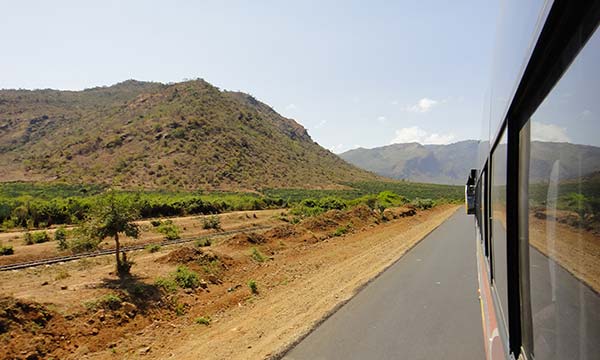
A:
[(394, 102), (321, 124), (291, 107), (381, 119), (416, 134), (424, 105), (337, 149), (548, 132)]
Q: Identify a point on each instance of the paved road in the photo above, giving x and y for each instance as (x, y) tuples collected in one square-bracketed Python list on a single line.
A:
[(423, 307)]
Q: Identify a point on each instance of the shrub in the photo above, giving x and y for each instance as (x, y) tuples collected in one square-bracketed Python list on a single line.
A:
[(211, 222), (152, 248), (203, 243), (62, 274), (342, 230), (202, 321), (253, 286), (166, 284), (155, 223), (36, 237), (108, 301), (186, 278), (111, 301), (170, 230), (214, 267), (423, 204), (60, 235), (82, 244), (6, 250), (180, 309), (257, 255)]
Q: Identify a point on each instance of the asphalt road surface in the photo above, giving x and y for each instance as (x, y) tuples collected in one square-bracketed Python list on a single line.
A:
[(425, 306)]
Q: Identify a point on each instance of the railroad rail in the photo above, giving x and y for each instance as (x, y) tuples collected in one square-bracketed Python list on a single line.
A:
[(59, 259)]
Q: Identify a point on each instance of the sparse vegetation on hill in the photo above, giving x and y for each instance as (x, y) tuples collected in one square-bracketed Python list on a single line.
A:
[(188, 135)]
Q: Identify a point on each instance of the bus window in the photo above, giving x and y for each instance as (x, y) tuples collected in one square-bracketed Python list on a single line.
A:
[(498, 223), (564, 214)]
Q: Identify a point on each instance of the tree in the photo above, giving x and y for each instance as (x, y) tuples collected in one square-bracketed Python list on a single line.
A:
[(110, 217)]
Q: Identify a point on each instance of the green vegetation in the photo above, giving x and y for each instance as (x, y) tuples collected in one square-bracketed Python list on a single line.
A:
[(169, 229), (152, 248), (169, 285), (60, 236), (257, 255), (31, 205), (202, 321), (108, 301), (37, 237), (186, 278), (213, 267), (342, 230), (423, 204), (409, 190), (211, 222), (253, 286), (112, 216), (203, 242), (6, 250)]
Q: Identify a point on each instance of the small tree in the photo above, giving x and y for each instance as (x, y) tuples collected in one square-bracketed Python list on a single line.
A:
[(110, 217)]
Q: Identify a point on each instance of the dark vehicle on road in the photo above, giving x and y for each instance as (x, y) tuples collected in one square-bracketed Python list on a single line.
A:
[(537, 185)]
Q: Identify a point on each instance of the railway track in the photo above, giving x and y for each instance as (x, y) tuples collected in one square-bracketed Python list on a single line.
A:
[(59, 259)]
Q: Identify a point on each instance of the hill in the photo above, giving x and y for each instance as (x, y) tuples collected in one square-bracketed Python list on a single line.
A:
[(449, 164), (188, 135), (441, 164)]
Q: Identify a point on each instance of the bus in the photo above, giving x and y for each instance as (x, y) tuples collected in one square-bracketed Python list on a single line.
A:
[(536, 188)]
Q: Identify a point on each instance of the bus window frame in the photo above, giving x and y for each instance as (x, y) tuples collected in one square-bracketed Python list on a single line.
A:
[(565, 32)]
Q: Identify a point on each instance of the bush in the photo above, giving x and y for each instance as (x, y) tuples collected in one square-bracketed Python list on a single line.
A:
[(62, 274), (6, 250), (423, 204), (186, 278), (342, 230), (166, 284), (83, 244), (170, 230), (211, 222), (36, 237), (203, 242), (60, 235), (202, 321), (253, 286), (108, 301), (155, 223), (152, 248), (257, 255)]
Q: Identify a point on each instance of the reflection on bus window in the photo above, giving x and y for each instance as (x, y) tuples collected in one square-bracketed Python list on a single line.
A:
[(564, 214), (498, 223)]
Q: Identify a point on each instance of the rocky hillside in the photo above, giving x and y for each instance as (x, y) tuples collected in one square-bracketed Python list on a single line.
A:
[(188, 135), (450, 164)]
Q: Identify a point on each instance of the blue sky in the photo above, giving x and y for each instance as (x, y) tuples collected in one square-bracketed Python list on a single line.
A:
[(354, 73)]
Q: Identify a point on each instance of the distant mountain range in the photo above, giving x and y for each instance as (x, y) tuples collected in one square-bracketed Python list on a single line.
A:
[(450, 164), (134, 134)]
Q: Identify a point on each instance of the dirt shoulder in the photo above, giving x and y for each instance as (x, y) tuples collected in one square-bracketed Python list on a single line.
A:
[(319, 279), (303, 272)]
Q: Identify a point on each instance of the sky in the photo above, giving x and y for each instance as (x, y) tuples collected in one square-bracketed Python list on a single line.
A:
[(354, 73)]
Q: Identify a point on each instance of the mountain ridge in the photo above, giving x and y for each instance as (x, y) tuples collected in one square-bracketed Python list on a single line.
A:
[(450, 164)]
